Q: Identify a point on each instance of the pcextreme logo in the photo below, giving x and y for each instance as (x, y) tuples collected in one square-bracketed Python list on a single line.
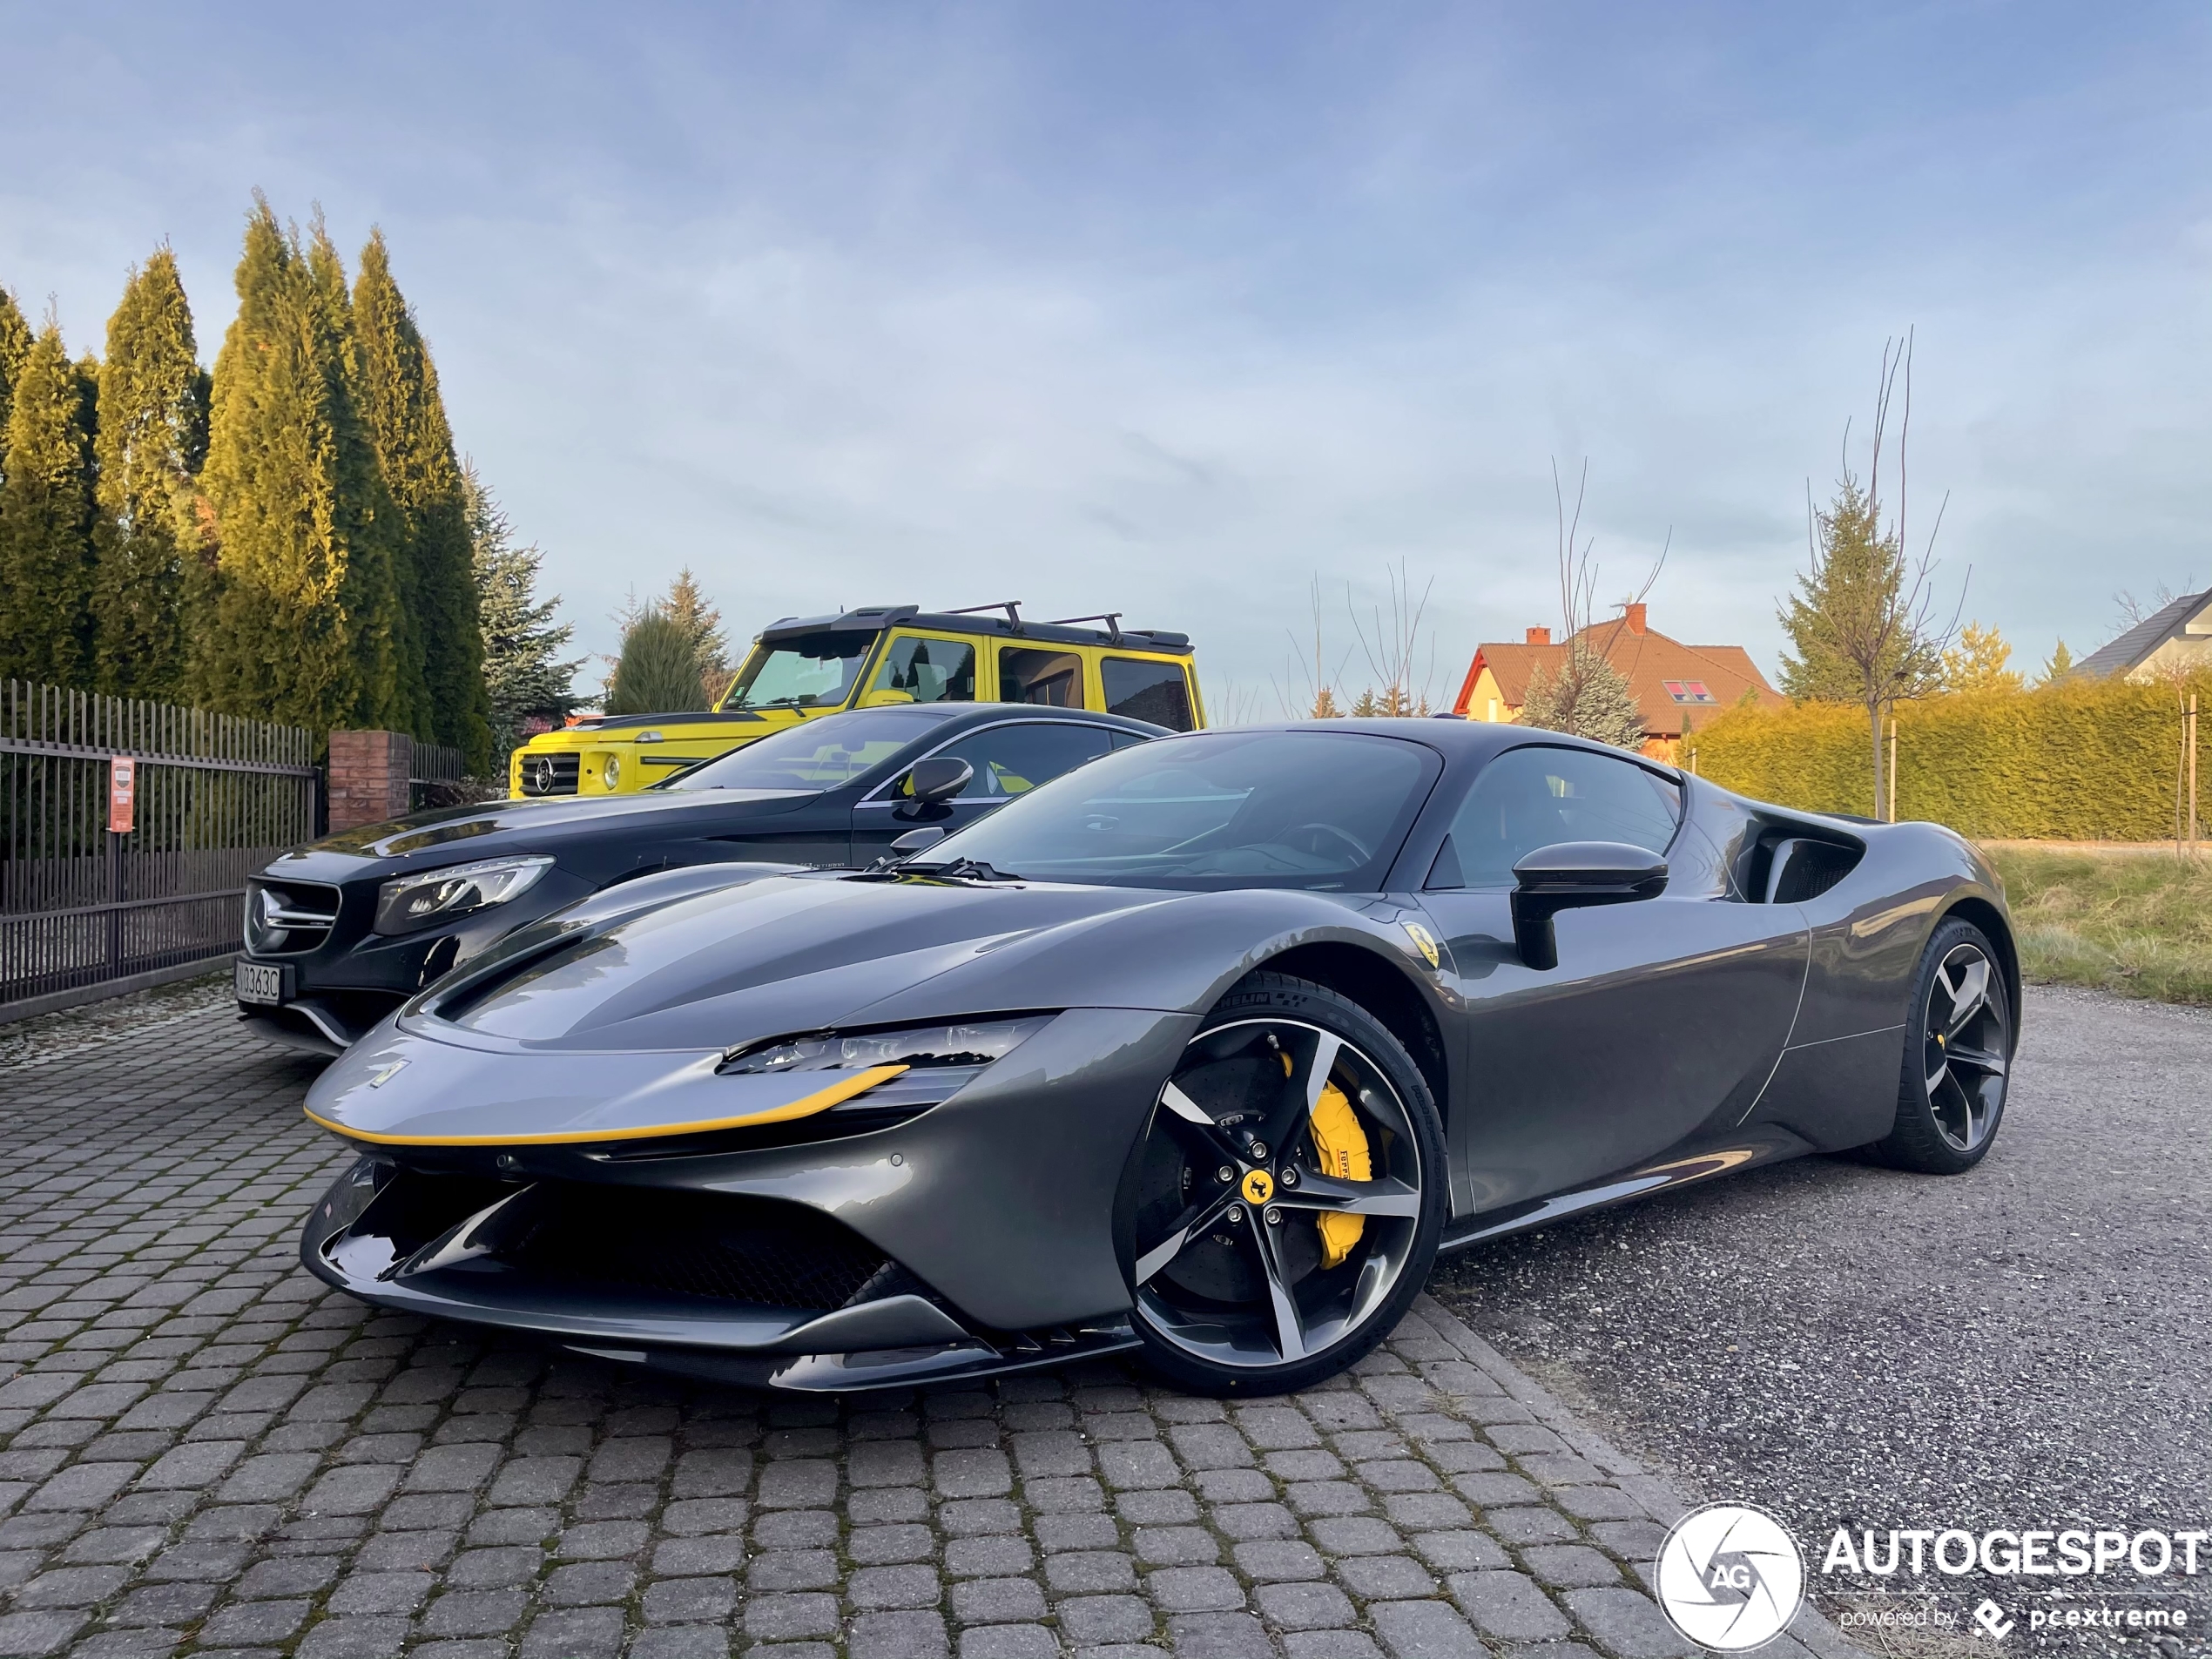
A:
[(1730, 1577)]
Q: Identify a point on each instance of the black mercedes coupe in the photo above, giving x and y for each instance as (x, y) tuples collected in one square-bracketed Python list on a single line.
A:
[(340, 933), (1205, 1048)]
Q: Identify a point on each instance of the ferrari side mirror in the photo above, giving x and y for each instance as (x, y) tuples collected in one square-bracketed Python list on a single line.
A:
[(1568, 875), (937, 780), (915, 840)]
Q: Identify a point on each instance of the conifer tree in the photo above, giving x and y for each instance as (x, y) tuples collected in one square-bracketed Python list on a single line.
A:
[(657, 672), (46, 517), (687, 606), (14, 347), (386, 646), (1979, 661), (525, 678), (301, 630), (443, 641), (152, 440), (2059, 666), (1586, 696)]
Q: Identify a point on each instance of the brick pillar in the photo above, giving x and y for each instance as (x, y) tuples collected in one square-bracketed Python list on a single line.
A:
[(369, 774)]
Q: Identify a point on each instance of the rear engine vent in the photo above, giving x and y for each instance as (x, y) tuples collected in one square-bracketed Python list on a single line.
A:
[(283, 918), (754, 1250), (1803, 869)]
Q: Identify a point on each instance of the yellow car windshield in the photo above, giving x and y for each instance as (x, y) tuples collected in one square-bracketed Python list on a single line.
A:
[(812, 672), (812, 756)]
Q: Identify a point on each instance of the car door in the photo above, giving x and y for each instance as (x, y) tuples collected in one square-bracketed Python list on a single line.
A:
[(1009, 758), (1663, 1017), (922, 668)]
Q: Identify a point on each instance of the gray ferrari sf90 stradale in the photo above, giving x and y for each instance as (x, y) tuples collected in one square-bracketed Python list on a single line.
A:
[(1205, 1048)]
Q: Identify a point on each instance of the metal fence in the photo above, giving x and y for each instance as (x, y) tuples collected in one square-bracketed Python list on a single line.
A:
[(216, 797), (437, 776)]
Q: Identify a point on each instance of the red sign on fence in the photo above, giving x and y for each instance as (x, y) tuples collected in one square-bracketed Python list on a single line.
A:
[(122, 792)]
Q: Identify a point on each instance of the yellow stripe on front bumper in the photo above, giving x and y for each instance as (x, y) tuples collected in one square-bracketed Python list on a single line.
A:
[(821, 1100)]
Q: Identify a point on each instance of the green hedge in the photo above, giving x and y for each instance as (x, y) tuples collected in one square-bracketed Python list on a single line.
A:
[(2084, 760)]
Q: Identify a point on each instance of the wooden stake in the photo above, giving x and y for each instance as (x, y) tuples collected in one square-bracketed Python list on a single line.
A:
[(1892, 771)]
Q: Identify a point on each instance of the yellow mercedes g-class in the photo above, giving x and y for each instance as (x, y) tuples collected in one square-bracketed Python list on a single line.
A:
[(808, 665)]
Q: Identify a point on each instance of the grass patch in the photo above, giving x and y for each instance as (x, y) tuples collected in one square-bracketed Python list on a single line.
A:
[(2136, 923)]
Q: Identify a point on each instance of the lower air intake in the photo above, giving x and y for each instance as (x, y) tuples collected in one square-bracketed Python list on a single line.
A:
[(753, 1251)]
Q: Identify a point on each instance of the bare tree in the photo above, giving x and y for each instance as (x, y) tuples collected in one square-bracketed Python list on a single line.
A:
[(1863, 619), (1313, 697), (1585, 694), (1394, 654)]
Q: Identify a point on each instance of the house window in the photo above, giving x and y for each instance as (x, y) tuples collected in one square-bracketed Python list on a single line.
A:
[(1493, 710), (1688, 692)]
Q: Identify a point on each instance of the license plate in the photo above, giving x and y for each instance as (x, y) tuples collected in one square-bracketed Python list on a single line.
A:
[(258, 982)]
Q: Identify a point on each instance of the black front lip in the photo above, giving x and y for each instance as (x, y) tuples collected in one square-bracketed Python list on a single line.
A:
[(897, 1339)]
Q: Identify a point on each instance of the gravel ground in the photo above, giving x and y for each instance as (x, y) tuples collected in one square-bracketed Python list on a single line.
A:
[(2026, 1346)]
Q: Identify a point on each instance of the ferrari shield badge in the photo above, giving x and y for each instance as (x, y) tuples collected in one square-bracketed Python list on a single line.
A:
[(1424, 942)]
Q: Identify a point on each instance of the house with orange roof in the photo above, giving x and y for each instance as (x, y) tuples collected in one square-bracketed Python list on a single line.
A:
[(1675, 686)]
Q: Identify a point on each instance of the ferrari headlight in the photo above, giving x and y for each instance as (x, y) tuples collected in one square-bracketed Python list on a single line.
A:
[(413, 902), (964, 1043)]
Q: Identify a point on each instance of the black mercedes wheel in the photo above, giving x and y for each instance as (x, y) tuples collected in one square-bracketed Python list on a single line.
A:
[(1284, 1204), (1958, 1052)]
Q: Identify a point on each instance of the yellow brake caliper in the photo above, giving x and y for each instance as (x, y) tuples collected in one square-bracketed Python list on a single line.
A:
[(1341, 1146)]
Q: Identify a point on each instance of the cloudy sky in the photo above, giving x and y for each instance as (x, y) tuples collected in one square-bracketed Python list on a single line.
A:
[(1175, 309)]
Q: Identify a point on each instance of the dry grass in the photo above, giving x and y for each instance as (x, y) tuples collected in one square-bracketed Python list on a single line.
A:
[(2139, 924)]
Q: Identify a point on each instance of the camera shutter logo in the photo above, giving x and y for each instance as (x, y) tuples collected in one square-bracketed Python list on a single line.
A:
[(1730, 1577)]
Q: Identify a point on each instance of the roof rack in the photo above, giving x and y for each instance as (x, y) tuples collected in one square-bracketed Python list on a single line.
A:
[(1111, 618), (1012, 607)]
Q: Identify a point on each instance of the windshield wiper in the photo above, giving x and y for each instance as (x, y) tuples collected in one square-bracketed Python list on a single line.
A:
[(963, 870)]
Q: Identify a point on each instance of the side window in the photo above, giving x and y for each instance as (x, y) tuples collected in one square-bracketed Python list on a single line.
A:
[(928, 670), (1012, 760), (1154, 691), (1052, 678), (1535, 796)]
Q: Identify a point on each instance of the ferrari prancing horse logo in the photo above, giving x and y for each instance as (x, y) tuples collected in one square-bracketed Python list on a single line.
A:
[(1259, 1186), (1424, 942)]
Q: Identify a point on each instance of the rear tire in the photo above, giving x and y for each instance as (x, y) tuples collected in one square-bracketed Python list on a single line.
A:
[(1959, 1042), (1227, 1300)]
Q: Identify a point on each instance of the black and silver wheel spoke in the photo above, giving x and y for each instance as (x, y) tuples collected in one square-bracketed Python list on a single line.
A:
[(1194, 1120), (1302, 1092), (1290, 1325), (1383, 1197), (1193, 1221)]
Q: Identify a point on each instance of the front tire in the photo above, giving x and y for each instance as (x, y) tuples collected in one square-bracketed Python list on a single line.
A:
[(1957, 1056), (1284, 1205)]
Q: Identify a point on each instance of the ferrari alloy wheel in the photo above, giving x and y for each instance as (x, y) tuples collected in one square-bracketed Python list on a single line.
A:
[(1284, 1204), (1959, 1049)]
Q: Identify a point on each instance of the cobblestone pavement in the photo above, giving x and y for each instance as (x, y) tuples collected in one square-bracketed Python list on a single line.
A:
[(206, 1450)]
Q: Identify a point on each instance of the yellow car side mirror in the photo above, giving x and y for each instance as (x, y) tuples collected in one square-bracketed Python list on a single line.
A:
[(884, 700)]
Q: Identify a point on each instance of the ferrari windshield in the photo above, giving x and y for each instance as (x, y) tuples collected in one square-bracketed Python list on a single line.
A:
[(1232, 809), (812, 672), (814, 755)]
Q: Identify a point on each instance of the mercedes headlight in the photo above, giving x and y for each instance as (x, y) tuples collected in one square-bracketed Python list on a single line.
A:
[(969, 1045), (413, 902)]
